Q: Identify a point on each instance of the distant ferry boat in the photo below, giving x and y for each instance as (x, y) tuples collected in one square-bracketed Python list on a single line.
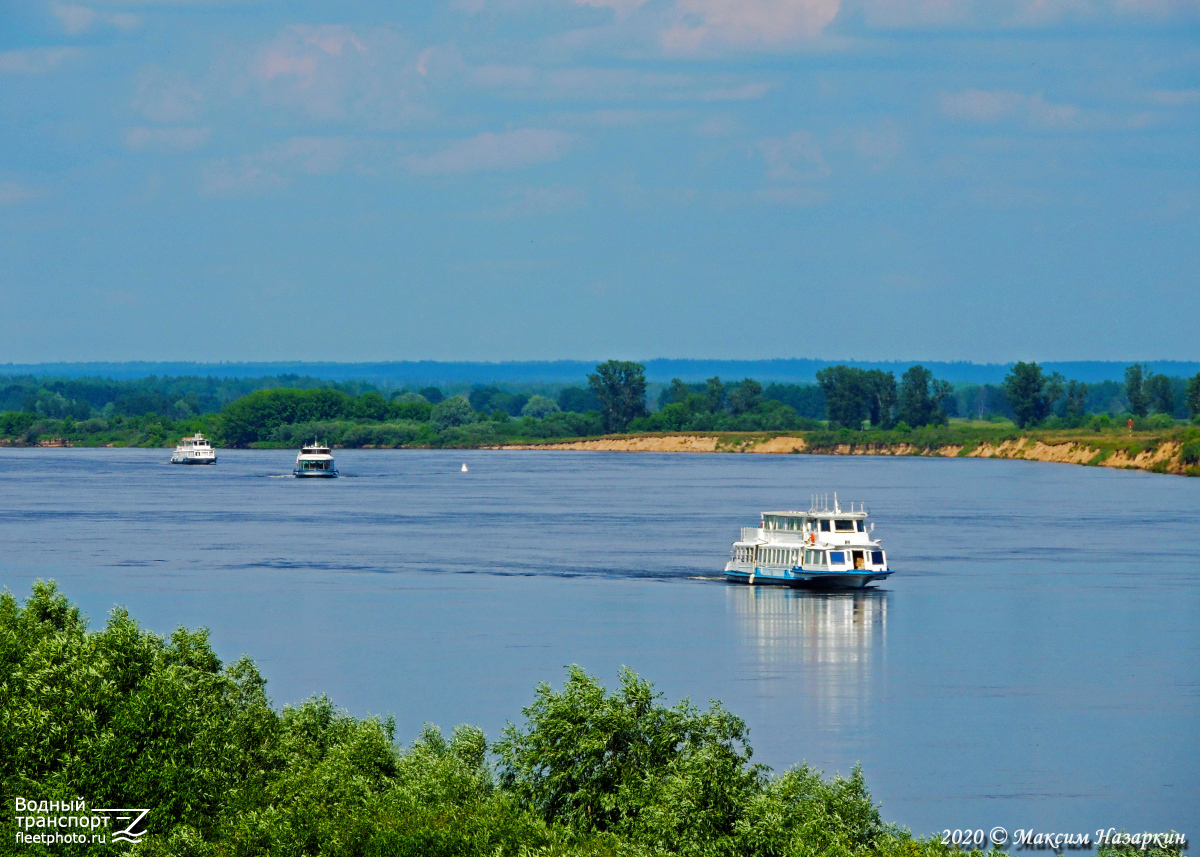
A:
[(194, 450), (820, 547), (315, 460)]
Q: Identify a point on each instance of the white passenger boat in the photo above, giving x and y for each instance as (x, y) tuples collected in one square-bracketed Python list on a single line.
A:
[(194, 450), (315, 461), (820, 547)]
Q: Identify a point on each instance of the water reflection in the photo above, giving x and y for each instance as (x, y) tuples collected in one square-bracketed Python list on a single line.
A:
[(830, 643)]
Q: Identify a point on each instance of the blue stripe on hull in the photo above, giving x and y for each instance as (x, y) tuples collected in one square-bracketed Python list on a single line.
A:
[(801, 577)]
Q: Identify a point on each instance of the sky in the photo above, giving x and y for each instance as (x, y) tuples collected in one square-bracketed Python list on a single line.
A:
[(586, 179)]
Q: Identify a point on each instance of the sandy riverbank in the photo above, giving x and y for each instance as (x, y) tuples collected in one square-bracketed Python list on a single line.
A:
[(1163, 458)]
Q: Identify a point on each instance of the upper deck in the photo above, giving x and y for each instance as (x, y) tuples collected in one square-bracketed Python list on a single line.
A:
[(820, 523)]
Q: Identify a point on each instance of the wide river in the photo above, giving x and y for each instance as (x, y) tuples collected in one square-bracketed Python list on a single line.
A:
[(1033, 663)]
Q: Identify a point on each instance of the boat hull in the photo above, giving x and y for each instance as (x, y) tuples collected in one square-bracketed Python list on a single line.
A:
[(315, 474), (804, 578), (212, 460)]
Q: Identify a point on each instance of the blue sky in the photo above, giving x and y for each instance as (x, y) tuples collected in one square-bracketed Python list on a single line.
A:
[(541, 179)]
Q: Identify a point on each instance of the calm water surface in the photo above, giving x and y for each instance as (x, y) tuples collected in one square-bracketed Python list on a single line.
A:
[(1033, 663)]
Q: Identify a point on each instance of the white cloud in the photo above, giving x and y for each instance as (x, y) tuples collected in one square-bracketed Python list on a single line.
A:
[(12, 193), (178, 139), (531, 201), (804, 196), (338, 73), (796, 157), (75, 19), (508, 150), (273, 168), (980, 106), (35, 60), (621, 7), (746, 23), (1012, 14), (78, 19), (879, 146), (1176, 97), (166, 98), (974, 105)]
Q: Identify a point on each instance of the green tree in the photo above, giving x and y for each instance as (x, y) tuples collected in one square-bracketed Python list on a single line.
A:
[(1055, 389), (881, 392), (676, 394), (1193, 396), (600, 762), (578, 400), (1135, 390), (1025, 388), (845, 390), (1075, 403), (621, 387), (714, 391), (252, 418), (745, 397), (539, 407), (448, 413), (1160, 394), (921, 397)]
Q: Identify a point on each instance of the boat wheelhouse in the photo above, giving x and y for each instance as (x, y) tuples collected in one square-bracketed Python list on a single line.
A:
[(194, 450), (820, 547), (315, 460)]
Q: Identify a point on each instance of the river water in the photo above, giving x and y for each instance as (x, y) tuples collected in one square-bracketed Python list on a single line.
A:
[(1033, 663)]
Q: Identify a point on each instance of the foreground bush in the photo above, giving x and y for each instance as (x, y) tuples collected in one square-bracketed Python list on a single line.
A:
[(124, 718)]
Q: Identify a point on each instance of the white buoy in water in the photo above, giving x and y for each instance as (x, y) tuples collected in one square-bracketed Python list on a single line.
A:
[(464, 467)]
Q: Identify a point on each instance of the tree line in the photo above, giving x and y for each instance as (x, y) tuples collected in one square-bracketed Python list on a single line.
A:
[(615, 400)]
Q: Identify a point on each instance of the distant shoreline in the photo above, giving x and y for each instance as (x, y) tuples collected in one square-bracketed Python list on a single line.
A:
[(1154, 454)]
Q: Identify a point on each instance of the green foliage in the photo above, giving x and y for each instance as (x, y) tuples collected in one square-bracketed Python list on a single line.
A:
[(807, 400), (623, 762), (450, 413), (621, 388), (122, 717), (578, 400), (1160, 394), (745, 397), (921, 398), (539, 407), (253, 417), (1135, 390), (1192, 396), (1190, 452), (14, 423), (1026, 390), (845, 395), (1075, 403)]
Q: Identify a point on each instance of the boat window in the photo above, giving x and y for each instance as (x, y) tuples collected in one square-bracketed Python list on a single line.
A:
[(862, 526), (824, 525), (840, 526), (877, 557), (837, 558)]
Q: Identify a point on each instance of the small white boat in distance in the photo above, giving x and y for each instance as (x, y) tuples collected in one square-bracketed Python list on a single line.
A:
[(315, 460), (821, 547), (194, 450)]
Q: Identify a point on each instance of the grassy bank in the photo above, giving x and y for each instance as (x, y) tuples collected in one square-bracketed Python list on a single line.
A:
[(122, 718)]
